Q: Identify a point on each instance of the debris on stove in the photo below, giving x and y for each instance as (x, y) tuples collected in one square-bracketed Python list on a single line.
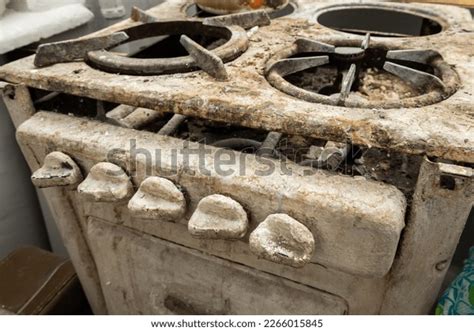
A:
[(376, 84), (398, 169)]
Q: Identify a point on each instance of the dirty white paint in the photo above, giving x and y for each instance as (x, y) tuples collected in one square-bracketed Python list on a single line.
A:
[(356, 223)]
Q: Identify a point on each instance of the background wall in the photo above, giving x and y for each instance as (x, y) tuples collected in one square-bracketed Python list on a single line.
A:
[(21, 222)]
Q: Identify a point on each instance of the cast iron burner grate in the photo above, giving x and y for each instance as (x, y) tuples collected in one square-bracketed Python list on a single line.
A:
[(357, 74), (209, 45), (235, 43)]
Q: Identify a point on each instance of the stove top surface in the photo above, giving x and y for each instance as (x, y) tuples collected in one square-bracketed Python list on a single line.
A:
[(440, 125)]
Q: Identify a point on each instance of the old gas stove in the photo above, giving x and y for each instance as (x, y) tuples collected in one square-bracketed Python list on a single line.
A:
[(279, 162)]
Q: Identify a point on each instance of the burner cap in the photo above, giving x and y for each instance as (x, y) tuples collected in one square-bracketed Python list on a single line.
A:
[(288, 8), (361, 75), (348, 53), (220, 7), (230, 43)]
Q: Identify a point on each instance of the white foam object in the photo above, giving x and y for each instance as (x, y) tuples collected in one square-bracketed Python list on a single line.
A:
[(3, 5), (18, 29), (40, 5)]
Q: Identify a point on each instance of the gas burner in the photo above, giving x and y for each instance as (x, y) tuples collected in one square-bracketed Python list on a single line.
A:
[(232, 42), (289, 8), (208, 46), (355, 74), (382, 20), (220, 7)]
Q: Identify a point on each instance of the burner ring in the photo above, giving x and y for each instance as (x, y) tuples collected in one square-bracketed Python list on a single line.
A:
[(446, 74), (220, 7), (237, 43), (193, 10)]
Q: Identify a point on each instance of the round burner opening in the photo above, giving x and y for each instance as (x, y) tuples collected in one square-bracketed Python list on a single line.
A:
[(379, 21), (155, 48), (356, 74), (193, 10)]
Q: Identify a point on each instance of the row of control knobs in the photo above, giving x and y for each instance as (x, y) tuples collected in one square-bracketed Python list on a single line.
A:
[(279, 238)]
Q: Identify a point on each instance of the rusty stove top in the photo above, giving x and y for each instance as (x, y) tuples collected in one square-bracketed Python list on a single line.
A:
[(265, 78)]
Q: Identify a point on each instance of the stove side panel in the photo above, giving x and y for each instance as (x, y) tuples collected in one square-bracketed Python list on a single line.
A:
[(71, 229)]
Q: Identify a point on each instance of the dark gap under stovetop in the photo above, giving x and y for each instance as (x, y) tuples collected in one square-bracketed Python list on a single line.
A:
[(390, 167)]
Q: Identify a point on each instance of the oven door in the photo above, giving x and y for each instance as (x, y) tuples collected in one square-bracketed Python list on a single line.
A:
[(151, 276)]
